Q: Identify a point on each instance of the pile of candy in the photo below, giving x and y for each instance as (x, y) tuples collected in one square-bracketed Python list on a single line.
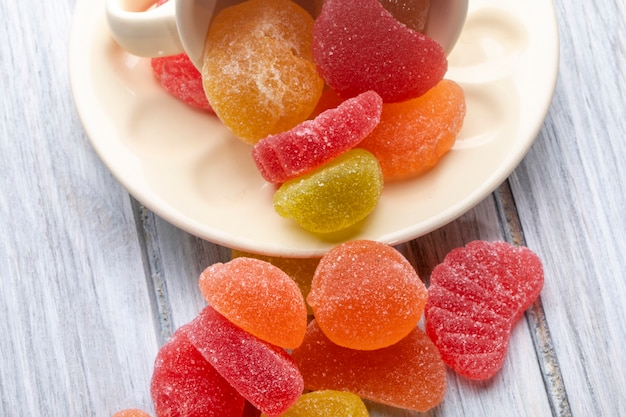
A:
[(251, 351), (306, 90)]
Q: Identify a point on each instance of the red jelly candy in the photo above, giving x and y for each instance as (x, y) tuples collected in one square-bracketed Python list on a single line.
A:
[(409, 374), (184, 384), (475, 297), (357, 49), (262, 373), (178, 76), (293, 153)]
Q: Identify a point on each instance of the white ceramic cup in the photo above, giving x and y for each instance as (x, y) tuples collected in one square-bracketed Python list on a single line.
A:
[(181, 25)]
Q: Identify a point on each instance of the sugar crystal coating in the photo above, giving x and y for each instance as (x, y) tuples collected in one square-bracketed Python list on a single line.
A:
[(476, 296), (300, 270), (327, 403), (412, 13), (178, 76), (363, 48), (258, 297), (409, 374), (260, 78), (184, 384), (335, 196), (262, 373), (366, 295), (312, 143), (414, 135)]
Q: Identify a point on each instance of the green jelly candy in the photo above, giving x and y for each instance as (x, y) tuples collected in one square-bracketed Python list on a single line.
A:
[(335, 196), (327, 403)]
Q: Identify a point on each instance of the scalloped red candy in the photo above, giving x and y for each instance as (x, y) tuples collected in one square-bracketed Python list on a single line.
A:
[(293, 153), (476, 296)]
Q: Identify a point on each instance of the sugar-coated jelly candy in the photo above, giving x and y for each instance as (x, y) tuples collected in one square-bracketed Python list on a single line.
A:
[(184, 384), (262, 373), (476, 295), (366, 295), (290, 154), (131, 412), (258, 297), (414, 135), (177, 75), (300, 270), (364, 48), (335, 196), (409, 374), (327, 403), (258, 72)]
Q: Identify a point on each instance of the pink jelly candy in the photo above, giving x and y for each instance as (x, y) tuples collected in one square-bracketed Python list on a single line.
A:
[(409, 374), (262, 373), (475, 297), (310, 144), (177, 75), (357, 49), (184, 384)]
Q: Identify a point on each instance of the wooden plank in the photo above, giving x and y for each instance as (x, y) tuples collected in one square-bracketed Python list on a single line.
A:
[(518, 390), (571, 195), (77, 327)]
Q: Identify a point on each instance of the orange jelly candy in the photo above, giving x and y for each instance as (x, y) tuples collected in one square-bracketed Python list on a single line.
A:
[(257, 297), (131, 412), (412, 136), (366, 295), (409, 374), (258, 72), (300, 270)]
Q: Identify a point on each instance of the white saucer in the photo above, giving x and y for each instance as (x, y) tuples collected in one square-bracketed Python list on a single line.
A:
[(188, 169)]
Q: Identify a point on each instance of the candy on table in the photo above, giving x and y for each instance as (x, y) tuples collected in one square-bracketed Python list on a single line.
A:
[(300, 270), (364, 48), (260, 77), (184, 384), (131, 412), (335, 196), (264, 374), (414, 135), (409, 374), (177, 75), (476, 296), (258, 297), (293, 153), (327, 403), (366, 295)]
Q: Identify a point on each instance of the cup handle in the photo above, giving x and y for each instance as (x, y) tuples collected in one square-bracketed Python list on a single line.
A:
[(149, 33)]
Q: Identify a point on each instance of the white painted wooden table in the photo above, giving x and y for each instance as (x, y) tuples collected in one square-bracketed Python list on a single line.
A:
[(92, 282)]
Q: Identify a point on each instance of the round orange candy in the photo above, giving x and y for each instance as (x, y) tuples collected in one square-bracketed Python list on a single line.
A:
[(365, 295), (412, 136), (258, 73), (131, 412), (258, 297)]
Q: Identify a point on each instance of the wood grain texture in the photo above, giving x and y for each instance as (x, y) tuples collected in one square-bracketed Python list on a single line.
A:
[(92, 283), (570, 192)]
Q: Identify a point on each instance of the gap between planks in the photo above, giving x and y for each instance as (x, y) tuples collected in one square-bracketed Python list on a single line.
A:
[(535, 315)]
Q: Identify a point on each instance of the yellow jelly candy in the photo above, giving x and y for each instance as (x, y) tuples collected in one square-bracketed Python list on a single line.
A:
[(258, 73), (327, 403), (335, 196)]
